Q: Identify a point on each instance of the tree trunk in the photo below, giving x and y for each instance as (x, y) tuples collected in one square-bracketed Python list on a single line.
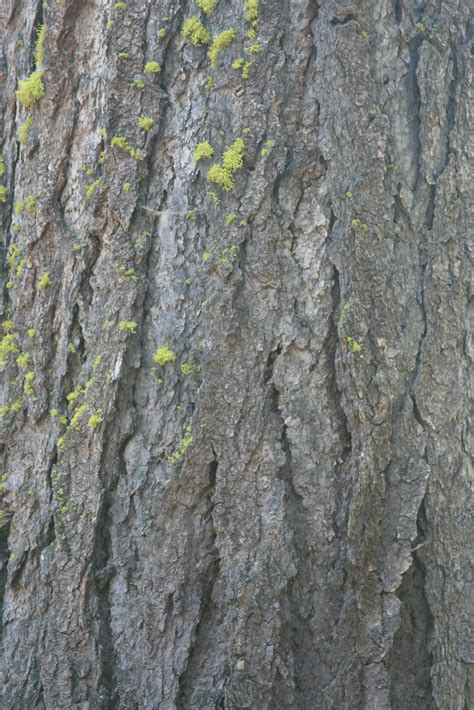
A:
[(234, 422)]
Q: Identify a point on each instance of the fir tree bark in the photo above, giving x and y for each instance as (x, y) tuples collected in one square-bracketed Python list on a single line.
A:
[(234, 424)]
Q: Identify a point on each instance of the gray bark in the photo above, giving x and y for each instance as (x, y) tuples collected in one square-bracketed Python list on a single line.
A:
[(285, 523)]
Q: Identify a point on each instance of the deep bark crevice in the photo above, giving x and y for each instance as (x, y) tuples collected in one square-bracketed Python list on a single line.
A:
[(4, 558), (203, 631), (410, 659)]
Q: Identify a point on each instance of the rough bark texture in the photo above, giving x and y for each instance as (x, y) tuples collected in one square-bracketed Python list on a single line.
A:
[(282, 523)]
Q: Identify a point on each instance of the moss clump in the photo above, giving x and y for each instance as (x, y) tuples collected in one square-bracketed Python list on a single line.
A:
[(91, 188), (28, 383), (240, 63), (220, 42), (203, 150), (254, 49), (353, 345), (75, 419), (2, 165), (163, 355), (232, 160), (146, 122), (31, 332), (123, 55), (120, 6), (230, 219), (215, 198), (139, 84), (127, 326), (39, 45), (233, 157), (221, 177), (8, 346), (195, 32), (121, 142), (3, 193), (207, 6), (31, 203), (15, 260), (95, 419), (23, 360), (31, 89), (183, 446), (23, 130), (152, 68), (44, 281), (251, 10), (188, 368)]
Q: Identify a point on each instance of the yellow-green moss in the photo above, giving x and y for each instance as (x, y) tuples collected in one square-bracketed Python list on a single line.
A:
[(203, 150), (2, 165), (91, 188), (44, 281), (122, 142), (3, 193), (251, 10), (195, 32), (207, 6), (23, 130), (139, 84), (188, 368), (183, 446), (23, 360), (221, 177), (232, 160), (31, 203), (95, 419), (354, 346), (8, 346), (163, 355), (28, 383), (215, 198), (220, 42), (8, 325), (39, 45), (120, 6), (127, 325), (31, 90), (75, 419), (254, 48), (152, 68), (233, 157), (146, 122), (31, 333)]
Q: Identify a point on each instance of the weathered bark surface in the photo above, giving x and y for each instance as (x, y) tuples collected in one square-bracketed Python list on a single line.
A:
[(310, 548)]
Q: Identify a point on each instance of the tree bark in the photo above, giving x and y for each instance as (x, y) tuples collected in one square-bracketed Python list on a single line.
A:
[(238, 476)]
